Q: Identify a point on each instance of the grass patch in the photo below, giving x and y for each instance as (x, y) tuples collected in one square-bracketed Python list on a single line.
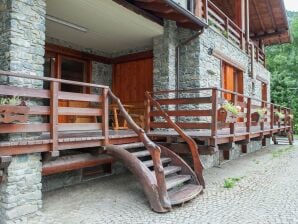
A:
[(230, 182), (279, 152)]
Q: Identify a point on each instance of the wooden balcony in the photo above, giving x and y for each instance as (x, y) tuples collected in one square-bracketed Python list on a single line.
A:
[(195, 111), (216, 18)]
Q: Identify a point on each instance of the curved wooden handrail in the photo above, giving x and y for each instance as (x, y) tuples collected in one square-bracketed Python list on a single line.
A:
[(198, 166), (154, 150)]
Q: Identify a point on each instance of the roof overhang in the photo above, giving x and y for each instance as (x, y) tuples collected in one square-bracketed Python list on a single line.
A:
[(268, 22), (168, 9)]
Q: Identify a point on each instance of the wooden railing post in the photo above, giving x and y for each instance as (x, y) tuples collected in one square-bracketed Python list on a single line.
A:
[(233, 125), (279, 110), (248, 118), (105, 116), (286, 114), (147, 113), (227, 27), (271, 116), (214, 113), (205, 4), (54, 118)]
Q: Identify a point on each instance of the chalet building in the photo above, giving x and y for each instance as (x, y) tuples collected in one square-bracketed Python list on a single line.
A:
[(190, 73)]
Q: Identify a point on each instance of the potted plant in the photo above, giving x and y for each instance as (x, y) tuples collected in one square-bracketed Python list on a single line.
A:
[(13, 110), (278, 116), (289, 118), (228, 113), (259, 115)]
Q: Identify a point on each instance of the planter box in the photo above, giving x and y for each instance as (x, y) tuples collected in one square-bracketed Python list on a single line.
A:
[(225, 116), (10, 114), (256, 117)]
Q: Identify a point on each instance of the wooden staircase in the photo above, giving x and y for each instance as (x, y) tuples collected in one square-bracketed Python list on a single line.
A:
[(166, 178), (181, 182)]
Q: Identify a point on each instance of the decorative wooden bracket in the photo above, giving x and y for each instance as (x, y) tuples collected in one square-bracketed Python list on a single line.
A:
[(4, 163)]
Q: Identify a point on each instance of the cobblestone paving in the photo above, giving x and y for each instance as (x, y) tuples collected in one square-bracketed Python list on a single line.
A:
[(266, 193)]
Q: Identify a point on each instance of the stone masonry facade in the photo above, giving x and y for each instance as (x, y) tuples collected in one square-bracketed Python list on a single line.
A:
[(200, 69), (22, 49), (22, 34)]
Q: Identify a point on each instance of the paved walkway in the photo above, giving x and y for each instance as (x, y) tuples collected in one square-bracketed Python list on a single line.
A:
[(266, 193)]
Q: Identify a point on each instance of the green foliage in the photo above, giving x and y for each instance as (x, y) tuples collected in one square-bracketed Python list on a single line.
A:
[(282, 62), (230, 107), (262, 112), (230, 182), (15, 100), (280, 115)]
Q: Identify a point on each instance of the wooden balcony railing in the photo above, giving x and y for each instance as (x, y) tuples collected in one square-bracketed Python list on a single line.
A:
[(198, 110), (216, 18)]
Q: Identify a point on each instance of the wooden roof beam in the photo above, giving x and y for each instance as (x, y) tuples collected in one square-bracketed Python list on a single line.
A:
[(155, 7), (271, 13), (268, 35), (258, 14)]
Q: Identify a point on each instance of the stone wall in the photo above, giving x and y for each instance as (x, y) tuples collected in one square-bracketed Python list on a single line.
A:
[(21, 195), (22, 33), (164, 50)]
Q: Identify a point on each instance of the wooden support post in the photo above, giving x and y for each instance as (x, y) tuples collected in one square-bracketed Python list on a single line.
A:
[(252, 61), (199, 8), (205, 4), (247, 20), (54, 118), (214, 114), (248, 119), (279, 123), (105, 116)]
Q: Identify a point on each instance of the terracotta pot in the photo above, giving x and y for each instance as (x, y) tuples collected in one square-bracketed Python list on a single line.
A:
[(256, 117), (11, 113), (225, 116)]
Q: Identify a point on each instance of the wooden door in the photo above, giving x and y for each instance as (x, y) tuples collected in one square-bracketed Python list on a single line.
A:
[(132, 79)]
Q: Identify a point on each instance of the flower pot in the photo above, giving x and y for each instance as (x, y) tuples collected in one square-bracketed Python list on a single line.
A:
[(256, 117), (225, 116), (12, 113)]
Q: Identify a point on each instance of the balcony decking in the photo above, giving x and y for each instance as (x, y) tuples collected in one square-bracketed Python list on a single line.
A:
[(196, 112)]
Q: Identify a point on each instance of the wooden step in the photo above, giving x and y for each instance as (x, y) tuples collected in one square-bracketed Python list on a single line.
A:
[(185, 193), (149, 163), (133, 145), (176, 180), (170, 170), (141, 153)]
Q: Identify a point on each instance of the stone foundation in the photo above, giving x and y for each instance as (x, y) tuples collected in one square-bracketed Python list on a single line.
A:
[(20, 194), (234, 153)]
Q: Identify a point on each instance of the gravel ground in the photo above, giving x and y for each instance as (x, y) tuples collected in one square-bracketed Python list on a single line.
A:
[(267, 192)]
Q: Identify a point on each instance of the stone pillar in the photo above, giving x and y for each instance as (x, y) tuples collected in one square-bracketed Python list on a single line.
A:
[(20, 195), (164, 50), (22, 40)]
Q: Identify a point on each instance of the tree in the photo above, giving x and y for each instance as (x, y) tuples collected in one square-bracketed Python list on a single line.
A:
[(282, 62)]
